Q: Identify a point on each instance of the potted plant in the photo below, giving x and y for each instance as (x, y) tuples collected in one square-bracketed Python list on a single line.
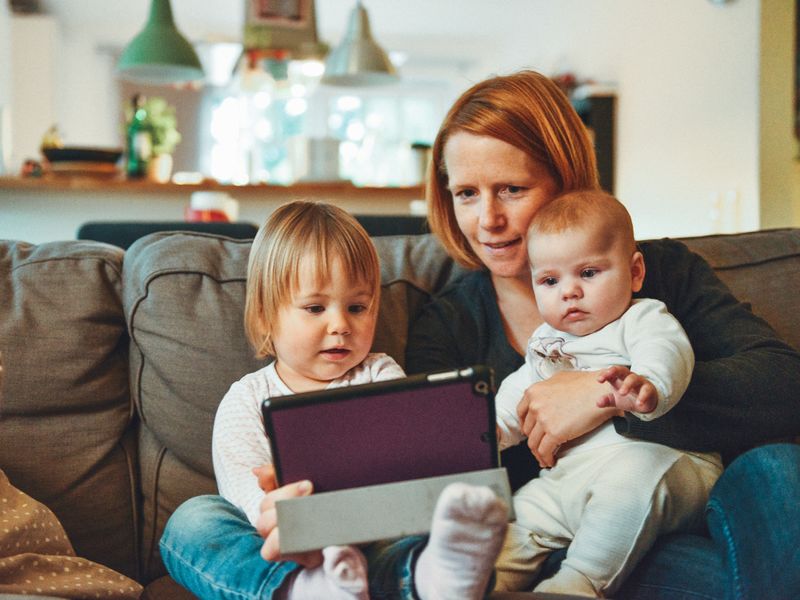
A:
[(157, 117)]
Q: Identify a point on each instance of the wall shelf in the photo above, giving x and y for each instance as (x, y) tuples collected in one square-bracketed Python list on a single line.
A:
[(56, 183)]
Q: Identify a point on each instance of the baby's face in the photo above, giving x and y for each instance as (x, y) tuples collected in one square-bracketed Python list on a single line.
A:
[(582, 280)]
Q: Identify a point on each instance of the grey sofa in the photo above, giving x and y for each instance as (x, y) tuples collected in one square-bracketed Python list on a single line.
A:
[(115, 362)]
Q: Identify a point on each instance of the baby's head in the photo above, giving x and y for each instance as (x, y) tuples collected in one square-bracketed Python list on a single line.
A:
[(584, 261), (313, 286)]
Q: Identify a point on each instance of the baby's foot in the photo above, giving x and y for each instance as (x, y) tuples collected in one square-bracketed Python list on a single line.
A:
[(467, 532), (342, 576)]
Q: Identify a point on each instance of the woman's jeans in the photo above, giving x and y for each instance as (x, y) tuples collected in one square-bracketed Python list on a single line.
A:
[(753, 552), (753, 518), (211, 549)]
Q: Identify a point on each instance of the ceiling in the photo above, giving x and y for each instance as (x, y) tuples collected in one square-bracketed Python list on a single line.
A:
[(396, 25)]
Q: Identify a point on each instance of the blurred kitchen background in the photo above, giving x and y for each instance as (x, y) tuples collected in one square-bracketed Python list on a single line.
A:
[(704, 90)]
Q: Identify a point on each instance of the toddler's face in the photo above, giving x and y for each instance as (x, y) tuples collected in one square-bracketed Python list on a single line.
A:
[(583, 281), (325, 330)]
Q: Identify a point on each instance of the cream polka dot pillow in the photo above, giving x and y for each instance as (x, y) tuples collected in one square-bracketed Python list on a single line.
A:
[(37, 558)]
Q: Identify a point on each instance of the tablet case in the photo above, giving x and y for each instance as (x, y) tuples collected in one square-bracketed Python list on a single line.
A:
[(412, 428), (374, 512)]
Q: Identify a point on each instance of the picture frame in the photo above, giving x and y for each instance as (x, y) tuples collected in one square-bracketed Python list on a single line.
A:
[(279, 24), (293, 14)]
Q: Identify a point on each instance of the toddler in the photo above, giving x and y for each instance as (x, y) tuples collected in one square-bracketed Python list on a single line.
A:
[(313, 287), (607, 497)]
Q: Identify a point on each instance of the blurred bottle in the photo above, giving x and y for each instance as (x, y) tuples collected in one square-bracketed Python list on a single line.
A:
[(139, 140)]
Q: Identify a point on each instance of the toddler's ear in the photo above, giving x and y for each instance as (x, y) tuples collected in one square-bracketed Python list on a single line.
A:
[(637, 271)]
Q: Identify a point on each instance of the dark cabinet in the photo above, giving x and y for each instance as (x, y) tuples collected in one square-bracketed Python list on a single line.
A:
[(598, 113)]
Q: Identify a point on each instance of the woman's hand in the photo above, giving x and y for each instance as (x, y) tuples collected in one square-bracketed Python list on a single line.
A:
[(267, 524), (559, 409)]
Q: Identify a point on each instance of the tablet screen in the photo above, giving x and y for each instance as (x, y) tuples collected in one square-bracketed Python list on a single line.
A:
[(421, 426)]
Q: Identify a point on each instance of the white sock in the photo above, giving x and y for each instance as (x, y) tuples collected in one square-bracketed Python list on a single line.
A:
[(341, 576), (467, 532)]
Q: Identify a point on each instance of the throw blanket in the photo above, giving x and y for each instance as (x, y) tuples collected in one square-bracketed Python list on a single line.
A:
[(37, 558)]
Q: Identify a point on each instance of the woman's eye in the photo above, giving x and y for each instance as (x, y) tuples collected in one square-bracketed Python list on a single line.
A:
[(464, 195), (512, 190), (314, 309), (589, 273)]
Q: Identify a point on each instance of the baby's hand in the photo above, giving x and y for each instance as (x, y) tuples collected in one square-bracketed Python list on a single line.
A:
[(632, 392), (267, 524)]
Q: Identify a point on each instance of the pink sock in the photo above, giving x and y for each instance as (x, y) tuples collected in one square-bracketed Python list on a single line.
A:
[(467, 532), (342, 576)]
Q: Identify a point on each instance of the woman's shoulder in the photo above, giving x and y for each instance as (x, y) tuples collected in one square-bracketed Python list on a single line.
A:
[(671, 268), (472, 287), (664, 248)]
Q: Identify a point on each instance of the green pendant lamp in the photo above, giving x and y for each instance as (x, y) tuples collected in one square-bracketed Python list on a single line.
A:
[(159, 54), (358, 60)]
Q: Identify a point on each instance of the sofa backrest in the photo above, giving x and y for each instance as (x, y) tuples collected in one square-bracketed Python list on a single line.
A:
[(66, 411), (761, 268)]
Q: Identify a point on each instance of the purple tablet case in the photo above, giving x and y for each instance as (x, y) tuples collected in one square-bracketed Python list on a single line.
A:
[(421, 426)]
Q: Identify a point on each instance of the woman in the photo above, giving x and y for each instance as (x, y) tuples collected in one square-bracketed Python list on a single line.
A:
[(506, 148)]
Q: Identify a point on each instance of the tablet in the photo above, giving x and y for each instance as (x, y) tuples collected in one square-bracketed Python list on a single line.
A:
[(420, 426)]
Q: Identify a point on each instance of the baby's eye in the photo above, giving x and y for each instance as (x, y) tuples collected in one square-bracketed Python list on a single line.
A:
[(314, 309), (357, 308), (549, 281), (589, 273)]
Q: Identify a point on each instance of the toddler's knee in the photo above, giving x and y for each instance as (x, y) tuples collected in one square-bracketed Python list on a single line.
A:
[(192, 507)]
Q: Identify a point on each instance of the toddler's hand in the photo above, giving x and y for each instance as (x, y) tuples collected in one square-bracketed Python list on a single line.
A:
[(632, 392), (267, 524)]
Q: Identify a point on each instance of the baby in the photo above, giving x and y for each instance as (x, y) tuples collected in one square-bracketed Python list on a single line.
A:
[(608, 497)]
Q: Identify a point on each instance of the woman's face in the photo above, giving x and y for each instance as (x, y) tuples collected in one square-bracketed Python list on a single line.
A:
[(496, 189)]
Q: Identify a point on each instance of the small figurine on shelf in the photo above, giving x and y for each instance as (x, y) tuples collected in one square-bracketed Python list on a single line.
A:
[(31, 168), (52, 138)]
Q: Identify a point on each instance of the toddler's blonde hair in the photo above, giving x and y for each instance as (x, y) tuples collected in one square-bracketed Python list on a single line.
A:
[(314, 234)]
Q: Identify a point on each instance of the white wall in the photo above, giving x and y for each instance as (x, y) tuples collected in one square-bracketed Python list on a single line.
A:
[(5, 82), (687, 78), (687, 74), (34, 92)]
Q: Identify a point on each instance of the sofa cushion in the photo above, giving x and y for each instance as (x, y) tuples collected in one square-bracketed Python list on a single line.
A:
[(66, 405), (183, 299)]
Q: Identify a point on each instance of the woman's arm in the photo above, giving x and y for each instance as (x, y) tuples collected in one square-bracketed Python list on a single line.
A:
[(744, 389)]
